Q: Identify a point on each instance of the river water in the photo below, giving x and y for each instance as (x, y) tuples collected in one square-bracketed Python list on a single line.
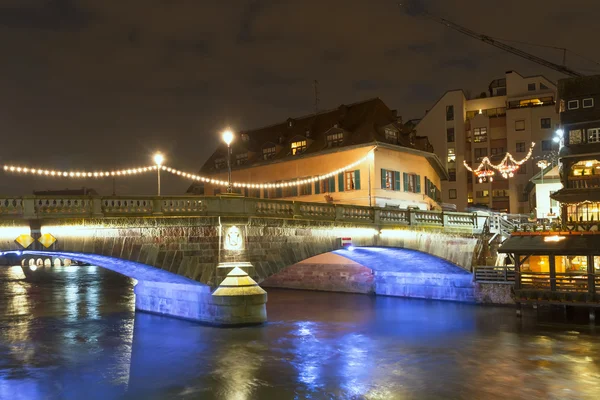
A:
[(75, 335)]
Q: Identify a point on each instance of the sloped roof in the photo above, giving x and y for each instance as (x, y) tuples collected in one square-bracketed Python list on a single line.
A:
[(362, 122)]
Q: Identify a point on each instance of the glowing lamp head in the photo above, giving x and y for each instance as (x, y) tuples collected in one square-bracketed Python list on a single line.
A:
[(158, 159), (227, 136), (556, 139), (560, 132)]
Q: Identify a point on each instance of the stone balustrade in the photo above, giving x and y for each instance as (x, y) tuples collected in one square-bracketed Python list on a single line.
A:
[(38, 207)]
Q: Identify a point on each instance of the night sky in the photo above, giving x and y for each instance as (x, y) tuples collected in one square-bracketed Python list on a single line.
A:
[(103, 83)]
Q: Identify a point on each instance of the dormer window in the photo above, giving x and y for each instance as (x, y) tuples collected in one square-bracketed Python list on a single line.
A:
[(241, 159), (269, 152), (335, 139), (391, 136), (298, 147), (220, 163)]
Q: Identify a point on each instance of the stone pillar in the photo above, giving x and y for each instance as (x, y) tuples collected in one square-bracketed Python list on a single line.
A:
[(240, 300)]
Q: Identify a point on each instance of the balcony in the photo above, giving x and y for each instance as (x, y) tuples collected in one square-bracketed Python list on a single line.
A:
[(583, 182)]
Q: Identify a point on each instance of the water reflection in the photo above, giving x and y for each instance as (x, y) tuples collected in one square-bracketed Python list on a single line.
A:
[(75, 335)]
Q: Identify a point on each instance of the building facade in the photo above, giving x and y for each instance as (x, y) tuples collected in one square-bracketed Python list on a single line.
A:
[(513, 113), (562, 266), (393, 166)]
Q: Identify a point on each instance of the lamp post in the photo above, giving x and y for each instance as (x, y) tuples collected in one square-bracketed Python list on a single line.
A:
[(228, 138), (158, 160)]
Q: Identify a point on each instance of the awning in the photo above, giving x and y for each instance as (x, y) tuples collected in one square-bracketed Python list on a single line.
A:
[(570, 196), (539, 245)]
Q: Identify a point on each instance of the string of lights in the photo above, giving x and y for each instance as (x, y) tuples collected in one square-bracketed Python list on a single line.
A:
[(274, 185), (77, 174), (507, 167), (56, 173)]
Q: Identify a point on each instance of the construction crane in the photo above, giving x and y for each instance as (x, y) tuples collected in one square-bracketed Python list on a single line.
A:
[(414, 9)]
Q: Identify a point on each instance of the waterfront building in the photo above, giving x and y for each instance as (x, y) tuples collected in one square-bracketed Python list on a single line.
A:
[(513, 113), (563, 264), (394, 166)]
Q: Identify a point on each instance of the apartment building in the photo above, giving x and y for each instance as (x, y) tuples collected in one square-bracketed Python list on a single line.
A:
[(287, 160), (514, 112)]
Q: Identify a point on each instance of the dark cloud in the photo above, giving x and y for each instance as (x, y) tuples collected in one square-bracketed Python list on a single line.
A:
[(54, 15)]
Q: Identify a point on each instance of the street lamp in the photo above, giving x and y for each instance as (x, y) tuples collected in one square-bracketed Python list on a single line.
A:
[(158, 160), (227, 136)]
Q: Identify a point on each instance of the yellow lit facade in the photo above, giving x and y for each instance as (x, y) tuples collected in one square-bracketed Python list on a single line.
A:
[(305, 159)]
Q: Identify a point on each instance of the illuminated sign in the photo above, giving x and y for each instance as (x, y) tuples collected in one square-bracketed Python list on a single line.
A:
[(233, 238), (553, 238)]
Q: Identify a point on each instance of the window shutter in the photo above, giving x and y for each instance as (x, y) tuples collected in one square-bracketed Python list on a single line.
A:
[(341, 182), (332, 184), (246, 191), (405, 178), (279, 193), (294, 191), (357, 179), (418, 177), (383, 173), (396, 180), (318, 187)]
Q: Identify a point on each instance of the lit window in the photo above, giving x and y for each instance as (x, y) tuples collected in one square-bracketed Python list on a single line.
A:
[(520, 125), (479, 135), (482, 193), (335, 139), (575, 136), (298, 147), (593, 135), (452, 193), (389, 180), (269, 153), (391, 135), (411, 183), (350, 178), (520, 147), (546, 123), (241, 159), (587, 103), (451, 155), (573, 104)]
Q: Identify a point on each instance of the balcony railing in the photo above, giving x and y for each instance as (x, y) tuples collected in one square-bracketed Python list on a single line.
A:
[(35, 207), (583, 182), (491, 274)]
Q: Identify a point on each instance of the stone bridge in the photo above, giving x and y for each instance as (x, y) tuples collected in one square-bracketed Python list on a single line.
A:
[(203, 238)]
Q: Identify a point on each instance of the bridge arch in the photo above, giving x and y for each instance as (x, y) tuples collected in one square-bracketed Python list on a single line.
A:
[(379, 270)]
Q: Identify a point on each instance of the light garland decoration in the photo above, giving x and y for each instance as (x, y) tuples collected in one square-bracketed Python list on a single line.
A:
[(53, 173), (77, 174), (276, 185), (507, 167), (483, 170)]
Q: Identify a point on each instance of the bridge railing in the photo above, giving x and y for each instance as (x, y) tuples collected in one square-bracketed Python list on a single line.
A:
[(36, 207)]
